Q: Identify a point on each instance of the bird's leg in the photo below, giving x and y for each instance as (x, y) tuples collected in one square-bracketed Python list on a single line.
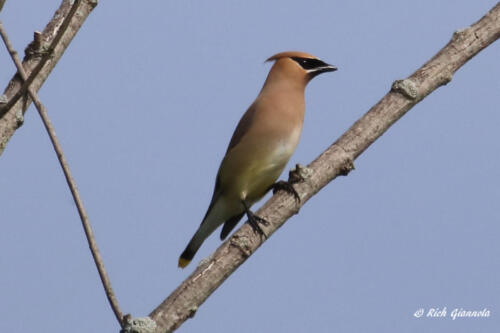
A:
[(254, 220), (287, 187), (296, 175)]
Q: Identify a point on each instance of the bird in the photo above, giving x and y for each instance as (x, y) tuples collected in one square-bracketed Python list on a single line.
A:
[(262, 143)]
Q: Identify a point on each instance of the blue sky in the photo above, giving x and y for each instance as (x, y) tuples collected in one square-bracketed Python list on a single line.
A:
[(145, 101)]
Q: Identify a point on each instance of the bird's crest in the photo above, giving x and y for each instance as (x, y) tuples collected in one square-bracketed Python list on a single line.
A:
[(289, 54)]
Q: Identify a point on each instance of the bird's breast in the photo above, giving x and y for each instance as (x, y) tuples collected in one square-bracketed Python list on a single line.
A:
[(284, 147), (256, 161)]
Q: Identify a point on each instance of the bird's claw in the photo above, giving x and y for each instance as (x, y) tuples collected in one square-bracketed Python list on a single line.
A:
[(254, 222), (287, 187)]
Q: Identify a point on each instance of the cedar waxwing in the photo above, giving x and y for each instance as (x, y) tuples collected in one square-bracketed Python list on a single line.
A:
[(260, 148)]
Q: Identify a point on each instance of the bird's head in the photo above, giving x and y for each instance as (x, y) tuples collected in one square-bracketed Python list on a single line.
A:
[(299, 66)]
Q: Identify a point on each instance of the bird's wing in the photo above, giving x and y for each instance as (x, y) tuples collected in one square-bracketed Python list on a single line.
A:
[(243, 127)]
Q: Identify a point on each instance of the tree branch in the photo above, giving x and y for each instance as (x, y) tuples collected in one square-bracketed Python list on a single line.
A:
[(336, 160), (46, 54), (69, 179), (46, 50), (61, 27)]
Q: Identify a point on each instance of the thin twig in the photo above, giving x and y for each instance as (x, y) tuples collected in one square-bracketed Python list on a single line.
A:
[(46, 56), (69, 179)]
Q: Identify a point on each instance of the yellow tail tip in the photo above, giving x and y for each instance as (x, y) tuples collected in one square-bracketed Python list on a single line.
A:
[(183, 262)]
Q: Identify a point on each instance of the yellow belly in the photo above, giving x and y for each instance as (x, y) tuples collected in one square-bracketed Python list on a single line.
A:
[(248, 177)]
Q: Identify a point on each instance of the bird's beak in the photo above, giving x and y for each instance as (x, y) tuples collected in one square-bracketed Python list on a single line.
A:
[(323, 69), (327, 68)]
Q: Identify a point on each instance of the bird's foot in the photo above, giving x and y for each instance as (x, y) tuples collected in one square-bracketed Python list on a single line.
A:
[(287, 187), (255, 222)]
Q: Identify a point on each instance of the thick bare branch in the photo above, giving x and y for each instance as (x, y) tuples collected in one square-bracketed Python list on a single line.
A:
[(46, 53), (12, 117), (336, 160)]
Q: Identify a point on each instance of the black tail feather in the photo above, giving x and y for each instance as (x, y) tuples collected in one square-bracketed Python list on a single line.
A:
[(229, 225)]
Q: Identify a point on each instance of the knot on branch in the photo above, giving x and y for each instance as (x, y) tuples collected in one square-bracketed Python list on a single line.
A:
[(242, 244), (460, 34), (138, 325), (19, 118), (299, 174), (405, 87), (38, 47), (346, 167), (192, 311), (445, 77)]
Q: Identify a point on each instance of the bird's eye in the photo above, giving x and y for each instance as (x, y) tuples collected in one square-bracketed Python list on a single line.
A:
[(308, 63)]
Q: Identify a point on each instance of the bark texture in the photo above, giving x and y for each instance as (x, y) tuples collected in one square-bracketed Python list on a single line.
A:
[(336, 160), (12, 118)]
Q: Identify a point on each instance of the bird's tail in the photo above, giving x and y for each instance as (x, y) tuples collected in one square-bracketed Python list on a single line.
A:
[(191, 248), (208, 225)]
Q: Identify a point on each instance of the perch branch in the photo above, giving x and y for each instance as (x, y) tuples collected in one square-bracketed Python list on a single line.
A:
[(336, 160)]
